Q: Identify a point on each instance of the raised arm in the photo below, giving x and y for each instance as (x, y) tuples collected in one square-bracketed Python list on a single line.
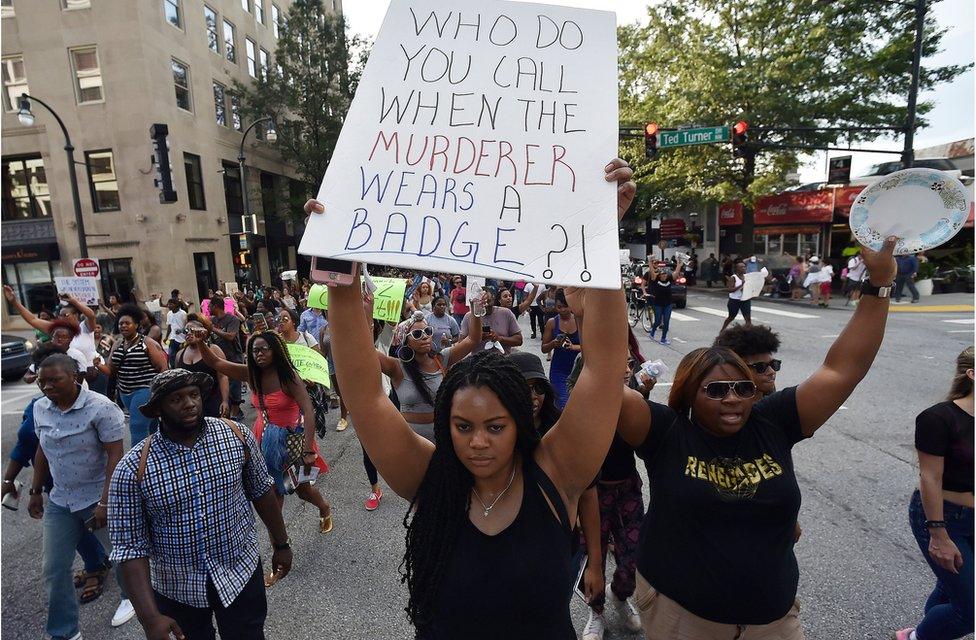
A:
[(233, 370), (25, 313), (400, 455), (467, 344), (852, 354), (528, 300), (84, 311), (574, 449)]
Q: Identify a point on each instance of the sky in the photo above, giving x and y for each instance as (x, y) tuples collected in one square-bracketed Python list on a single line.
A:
[(951, 119)]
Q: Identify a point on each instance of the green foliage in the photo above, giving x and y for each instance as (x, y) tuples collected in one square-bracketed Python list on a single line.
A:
[(784, 63), (308, 92)]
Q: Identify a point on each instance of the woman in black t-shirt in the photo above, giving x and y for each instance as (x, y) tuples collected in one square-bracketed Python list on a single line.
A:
[(941, 511), (716, 544)]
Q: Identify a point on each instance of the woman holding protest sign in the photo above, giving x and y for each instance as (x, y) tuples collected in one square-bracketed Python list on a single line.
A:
[(285, 426), (720, 461), (492, 505)]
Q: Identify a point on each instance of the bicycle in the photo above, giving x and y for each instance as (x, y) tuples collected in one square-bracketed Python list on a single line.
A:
[(639, 310)]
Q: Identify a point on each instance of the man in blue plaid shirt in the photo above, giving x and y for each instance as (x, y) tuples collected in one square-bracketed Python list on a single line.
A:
[(179, 500)]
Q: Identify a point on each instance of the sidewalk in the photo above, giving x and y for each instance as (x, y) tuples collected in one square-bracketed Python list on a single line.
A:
[(937, 303)]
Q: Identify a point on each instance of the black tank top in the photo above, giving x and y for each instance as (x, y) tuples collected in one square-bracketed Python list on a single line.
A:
[(515, 584), (619, 464), (211, 404)]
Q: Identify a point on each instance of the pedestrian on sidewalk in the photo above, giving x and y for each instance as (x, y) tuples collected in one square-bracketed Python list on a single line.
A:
[(710, 270), (735, 457), (180, 505), (736, 304), (80, 435), (941, 509), (907, 272), (855, 275), (798, 272)]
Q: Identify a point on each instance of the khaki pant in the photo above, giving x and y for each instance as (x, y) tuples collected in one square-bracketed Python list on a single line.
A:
[(665, 619)]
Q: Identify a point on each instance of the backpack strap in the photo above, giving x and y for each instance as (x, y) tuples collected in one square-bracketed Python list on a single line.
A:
[(240, 436), (143, 459), (549, 489)]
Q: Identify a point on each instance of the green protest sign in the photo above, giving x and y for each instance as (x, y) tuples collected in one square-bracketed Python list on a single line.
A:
[(388, 298), (318, 296), (310, 364)]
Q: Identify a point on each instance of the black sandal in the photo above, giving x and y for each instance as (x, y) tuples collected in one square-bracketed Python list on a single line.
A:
[(92, 591)]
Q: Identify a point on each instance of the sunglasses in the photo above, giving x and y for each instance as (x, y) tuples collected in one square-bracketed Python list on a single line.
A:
[(538, 388), (257, 350), (420, 334), (719, 389), (760, 367)]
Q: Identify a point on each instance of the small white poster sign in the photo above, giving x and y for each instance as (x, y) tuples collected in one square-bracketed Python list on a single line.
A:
[(754, 283), (476, 144), (84, 289)]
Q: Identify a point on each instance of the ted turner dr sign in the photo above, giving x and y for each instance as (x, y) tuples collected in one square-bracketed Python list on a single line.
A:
[(476, 143)]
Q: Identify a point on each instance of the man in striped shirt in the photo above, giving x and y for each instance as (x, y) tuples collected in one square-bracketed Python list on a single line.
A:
[(179, 501)]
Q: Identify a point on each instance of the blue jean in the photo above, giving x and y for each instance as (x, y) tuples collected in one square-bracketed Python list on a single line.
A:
[(174, 347), (63, 530), (949, 609), (901, 281), (662, 316), (139, 425)]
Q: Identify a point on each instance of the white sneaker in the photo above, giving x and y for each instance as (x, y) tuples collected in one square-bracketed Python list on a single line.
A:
[(77, 636), (123, 614), (625, 611), (594, 628)]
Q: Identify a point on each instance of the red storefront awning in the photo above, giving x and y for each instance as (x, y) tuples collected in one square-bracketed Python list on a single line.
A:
[(796, 206), (730, 213)]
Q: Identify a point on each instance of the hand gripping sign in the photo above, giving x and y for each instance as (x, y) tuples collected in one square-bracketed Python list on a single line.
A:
[(476, 144)]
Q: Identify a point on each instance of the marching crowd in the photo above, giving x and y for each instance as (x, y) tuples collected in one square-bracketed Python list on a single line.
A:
[(518, 479)]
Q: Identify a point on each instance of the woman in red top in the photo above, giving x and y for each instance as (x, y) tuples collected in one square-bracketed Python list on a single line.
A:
[(284, 409), (458, 296)]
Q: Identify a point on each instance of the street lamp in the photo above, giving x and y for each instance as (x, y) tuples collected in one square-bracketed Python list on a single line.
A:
[(26, 118), (271, 135)]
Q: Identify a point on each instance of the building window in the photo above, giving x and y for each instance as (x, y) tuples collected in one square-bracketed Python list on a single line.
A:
[(88, 75), (229, 50), (194, 181), (220, 104), (172, 9), (7, 8), (275, 19), (213, 38), (14, 82), (102, 181), (117, 278), (235, 113), (25, 191), (263, 59), (246, 5), (181, 81), (34, 283), (205, 266), (259, 11), (252, 63), (76, 4)]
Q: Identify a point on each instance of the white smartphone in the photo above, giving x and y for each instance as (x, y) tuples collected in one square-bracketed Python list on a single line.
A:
[(331, 271)]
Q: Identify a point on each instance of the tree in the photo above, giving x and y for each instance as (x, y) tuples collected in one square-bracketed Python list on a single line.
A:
[(308, 91), (772, 63)]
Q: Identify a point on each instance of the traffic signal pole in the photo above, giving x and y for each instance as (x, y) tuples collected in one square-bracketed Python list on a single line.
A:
[(908, 154)]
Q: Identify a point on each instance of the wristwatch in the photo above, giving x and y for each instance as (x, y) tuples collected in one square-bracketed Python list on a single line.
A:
[(868, 289), (284, 546)]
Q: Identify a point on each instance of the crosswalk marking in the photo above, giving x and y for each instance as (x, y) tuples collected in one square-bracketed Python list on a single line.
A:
[(780, 312), (961, 321), (709, 311), (680, 317)]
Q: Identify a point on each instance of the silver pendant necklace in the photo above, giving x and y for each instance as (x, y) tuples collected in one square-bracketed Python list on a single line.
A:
[(489, 507)]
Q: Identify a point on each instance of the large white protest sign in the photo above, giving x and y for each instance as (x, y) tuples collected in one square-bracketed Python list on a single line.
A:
[(476, 144), (84, 289)]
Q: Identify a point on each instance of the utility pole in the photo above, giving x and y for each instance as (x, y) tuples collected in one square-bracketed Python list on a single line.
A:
[(908, 154)]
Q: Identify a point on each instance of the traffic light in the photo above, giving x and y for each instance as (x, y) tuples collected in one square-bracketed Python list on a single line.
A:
[(160, 159), (739, 139), (650, 140)]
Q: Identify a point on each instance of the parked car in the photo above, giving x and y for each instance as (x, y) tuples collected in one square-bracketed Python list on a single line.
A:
[(16, 353)]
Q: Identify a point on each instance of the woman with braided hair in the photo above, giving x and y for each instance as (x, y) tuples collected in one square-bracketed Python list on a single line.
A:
[(492, 504), (284, 409), (418, 368)]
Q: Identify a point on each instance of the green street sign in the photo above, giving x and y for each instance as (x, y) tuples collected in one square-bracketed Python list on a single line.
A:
[(685, 137)]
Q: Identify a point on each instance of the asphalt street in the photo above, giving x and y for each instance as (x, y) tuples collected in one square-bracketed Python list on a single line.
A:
[(861, 573)]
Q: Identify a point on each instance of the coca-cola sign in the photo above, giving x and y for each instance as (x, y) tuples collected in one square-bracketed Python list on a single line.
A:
[(730, 213), (797, 206)]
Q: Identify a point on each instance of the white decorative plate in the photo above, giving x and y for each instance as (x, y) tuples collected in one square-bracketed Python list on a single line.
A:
[(925, 208)]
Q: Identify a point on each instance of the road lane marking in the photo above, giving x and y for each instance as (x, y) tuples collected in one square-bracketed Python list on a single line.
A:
[(780, 312), (680, 340), (18, 395), (710, 311), (833, 335), (931, 308), (961, 331), (962, 321), (680, 317)]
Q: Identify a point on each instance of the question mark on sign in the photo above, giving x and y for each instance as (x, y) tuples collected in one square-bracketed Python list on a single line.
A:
[(548, 272)]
